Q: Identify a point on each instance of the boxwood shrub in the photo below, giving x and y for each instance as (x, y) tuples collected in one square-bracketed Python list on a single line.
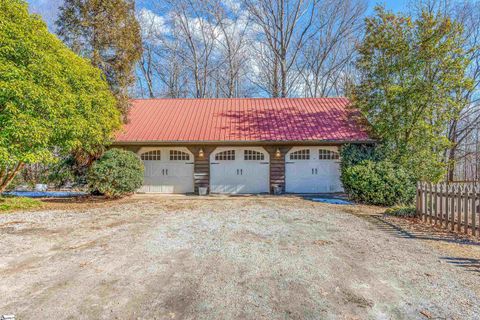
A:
[(116, 173), (378, 183)]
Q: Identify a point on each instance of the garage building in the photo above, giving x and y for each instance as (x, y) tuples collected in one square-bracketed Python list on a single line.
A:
[(241, 146)]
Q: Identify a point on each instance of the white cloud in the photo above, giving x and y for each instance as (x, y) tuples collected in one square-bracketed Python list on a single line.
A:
[(152, 24), (233, 5)]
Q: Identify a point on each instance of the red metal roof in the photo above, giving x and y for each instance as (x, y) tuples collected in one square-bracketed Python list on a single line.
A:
[(249, 120)]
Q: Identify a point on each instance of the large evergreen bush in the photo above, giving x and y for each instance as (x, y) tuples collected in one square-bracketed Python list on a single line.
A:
[(379, 183), (369, 177), (353, 154), (51, 100), (116, 173)]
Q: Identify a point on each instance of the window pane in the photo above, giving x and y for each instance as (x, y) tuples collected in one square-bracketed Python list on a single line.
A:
[(225, 155), (327, 155), (179, 155), (253, 155), (300, 155), (151, 155)]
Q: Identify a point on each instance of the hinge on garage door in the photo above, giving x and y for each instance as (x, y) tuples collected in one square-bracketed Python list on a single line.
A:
[(264, 162), (214, 162), (189, 163), (289, 162)]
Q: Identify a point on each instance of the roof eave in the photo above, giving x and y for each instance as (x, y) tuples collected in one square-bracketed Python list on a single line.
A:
[(240, 142)]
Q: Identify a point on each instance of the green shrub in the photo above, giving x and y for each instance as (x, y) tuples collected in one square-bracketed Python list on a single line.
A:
[(116, 173), (379, 183), (353, 154), (67, 171), (401, 211)]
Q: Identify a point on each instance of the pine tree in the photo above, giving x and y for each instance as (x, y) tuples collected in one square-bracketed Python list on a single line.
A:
[(107, 33)]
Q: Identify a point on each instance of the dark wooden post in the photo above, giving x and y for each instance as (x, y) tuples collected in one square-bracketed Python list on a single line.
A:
[(459, 209), (452, 207), (440, 187), (465, 208), (418, 200)]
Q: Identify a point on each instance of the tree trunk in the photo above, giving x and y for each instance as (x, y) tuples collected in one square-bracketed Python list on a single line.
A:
[(9, 176), (148, 78), (231, 82), (275, 89), (283, 78), (451, 164)]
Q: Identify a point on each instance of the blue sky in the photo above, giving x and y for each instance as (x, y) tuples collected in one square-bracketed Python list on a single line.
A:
[(394, 5), (48, 8)]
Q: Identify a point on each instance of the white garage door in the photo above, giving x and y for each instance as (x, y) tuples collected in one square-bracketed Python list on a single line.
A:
[(239, 170), (312, 170), (167, 170)]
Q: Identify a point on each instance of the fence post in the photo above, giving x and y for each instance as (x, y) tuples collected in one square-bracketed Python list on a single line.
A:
[(422, 200), (440, 209), (473, 210), (465, 208), (436, 204), (459, 209), (418, 201), (427, 205), (476, 191), (452, 207), (447, 188), (430, 200)]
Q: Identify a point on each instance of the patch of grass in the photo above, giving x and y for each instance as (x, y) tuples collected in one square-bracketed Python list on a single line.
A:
[(18, 203), (401, 211)]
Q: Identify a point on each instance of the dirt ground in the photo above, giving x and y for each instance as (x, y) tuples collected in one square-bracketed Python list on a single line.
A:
[(230, 258)]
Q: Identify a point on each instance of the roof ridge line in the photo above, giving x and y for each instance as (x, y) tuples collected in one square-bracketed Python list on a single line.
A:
[(250, 98)]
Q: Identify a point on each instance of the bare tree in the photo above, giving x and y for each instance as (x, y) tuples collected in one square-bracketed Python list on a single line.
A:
[(326, 63), (232, 43), (173, 73), (284, 26), (463, 131), (200, 52), (443, 7), (218, 48), (150, 35), (198, 30)]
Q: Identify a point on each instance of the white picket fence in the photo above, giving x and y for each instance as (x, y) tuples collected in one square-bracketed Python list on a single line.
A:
[(454, 206)]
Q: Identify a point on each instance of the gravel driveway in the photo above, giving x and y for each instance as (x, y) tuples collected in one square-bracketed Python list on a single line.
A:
[(225, 258)]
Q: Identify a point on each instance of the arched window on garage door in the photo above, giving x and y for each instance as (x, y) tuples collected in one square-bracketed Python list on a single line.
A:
[(225, 155), (151, 155), (324, 154), (177, 155), (253, 155), (303, 154)]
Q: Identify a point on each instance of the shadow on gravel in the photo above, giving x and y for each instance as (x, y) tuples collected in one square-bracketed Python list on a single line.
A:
[(416, 231), (472, 265), (422, 232), (388, 227)]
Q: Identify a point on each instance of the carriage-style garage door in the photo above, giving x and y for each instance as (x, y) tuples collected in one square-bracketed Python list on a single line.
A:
[(167, 170), (239, 170), (312, 170)]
